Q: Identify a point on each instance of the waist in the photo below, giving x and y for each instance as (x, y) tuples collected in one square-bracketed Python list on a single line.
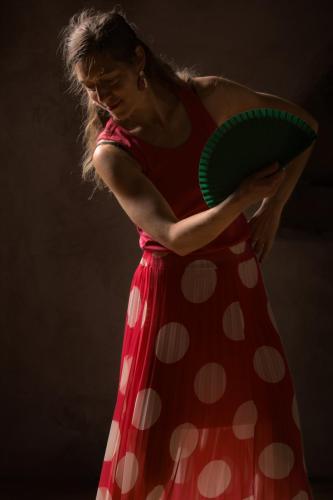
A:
[(241, 251), (237, 232)]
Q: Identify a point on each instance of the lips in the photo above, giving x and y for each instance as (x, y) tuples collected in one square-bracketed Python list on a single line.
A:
[(112, 106)]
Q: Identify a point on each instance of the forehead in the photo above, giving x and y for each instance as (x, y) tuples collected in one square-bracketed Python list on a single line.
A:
[(94, 67)]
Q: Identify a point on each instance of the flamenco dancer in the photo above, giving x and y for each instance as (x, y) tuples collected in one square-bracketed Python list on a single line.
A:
[(206, 405)]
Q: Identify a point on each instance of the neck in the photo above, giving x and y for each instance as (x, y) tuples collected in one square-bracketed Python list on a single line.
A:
[(154, 111)]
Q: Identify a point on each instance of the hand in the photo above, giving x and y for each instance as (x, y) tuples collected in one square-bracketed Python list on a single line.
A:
[(261, 185), (264, 224)]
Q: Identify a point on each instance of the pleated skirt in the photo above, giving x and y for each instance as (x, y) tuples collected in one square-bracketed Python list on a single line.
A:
[(206, 406)]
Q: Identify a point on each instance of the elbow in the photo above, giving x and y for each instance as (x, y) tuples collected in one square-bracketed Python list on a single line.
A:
[(180, 252), (179, 249), (172, 241), (311, 120), (176, 248)]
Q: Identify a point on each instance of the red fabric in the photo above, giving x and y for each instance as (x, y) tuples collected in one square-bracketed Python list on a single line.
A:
[(206, 406), (174, 171)]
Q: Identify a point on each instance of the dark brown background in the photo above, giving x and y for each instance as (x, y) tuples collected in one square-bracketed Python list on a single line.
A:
[(67, 261)]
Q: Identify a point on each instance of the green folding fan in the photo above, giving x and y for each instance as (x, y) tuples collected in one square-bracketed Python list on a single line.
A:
[(244, 144)]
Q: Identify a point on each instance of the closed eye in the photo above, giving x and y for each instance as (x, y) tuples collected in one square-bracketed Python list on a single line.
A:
[(114, 82)]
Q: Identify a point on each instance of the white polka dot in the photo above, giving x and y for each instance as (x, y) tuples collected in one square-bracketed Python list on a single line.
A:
[(271, 315), (210, 382), (144, 313), (295, 413), (233, 322), (184, 440), (156, 494), (269, 364), (172, 342), (245, 420), (249, 498), (302, 495), (238, 248), (125, 373), (133, 307), (276, 460), (147, 408), (248, 272), (113, 441), (103, 494), (127, 472), (214, 479), (199, 280), (143, 262)]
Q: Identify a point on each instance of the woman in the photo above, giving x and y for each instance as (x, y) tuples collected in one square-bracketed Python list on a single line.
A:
[(206, 406)]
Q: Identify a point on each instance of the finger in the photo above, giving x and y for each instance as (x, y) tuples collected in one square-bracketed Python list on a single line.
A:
[(264, 253), (268, 249), (261, 250), (258, 245), (254, 239)]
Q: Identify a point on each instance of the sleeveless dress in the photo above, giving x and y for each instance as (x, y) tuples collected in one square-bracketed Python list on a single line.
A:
[(206, 405)]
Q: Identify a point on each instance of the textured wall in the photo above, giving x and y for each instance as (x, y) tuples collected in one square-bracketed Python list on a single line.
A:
[(67, 261)]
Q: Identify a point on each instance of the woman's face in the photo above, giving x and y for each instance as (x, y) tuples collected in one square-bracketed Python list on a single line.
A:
[(110, 84)]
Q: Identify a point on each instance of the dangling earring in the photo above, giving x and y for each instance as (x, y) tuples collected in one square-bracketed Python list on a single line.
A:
[(142, 81)]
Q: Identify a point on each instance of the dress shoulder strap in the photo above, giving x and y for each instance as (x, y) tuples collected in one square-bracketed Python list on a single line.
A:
[(195, 106), (111, 134), (115, 143)]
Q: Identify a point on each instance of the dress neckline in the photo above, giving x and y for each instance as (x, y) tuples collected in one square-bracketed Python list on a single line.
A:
[(179, 92)]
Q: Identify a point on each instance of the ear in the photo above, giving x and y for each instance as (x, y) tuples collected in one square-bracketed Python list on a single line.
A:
[(140, 57)]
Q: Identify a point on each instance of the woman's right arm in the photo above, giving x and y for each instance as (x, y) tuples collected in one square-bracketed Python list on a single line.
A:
[(149, 210)]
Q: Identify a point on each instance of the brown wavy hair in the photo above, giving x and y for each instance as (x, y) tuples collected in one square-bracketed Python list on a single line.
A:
[(90, 31)]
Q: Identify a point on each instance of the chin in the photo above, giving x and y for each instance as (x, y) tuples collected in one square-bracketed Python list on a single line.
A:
[(104, 108)]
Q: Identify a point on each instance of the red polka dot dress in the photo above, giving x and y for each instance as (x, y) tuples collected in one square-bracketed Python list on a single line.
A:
[(206, 406)]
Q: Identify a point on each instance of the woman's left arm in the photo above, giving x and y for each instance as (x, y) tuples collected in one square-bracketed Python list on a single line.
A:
[(265, 221), (296, 166), (293, 172)]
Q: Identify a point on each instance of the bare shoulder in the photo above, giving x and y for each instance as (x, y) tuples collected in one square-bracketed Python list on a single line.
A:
[(204, 85), (117, 168), (107, 154), (223, 97)]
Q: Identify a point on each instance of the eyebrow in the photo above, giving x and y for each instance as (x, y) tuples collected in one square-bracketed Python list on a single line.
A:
[(101, 77)]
